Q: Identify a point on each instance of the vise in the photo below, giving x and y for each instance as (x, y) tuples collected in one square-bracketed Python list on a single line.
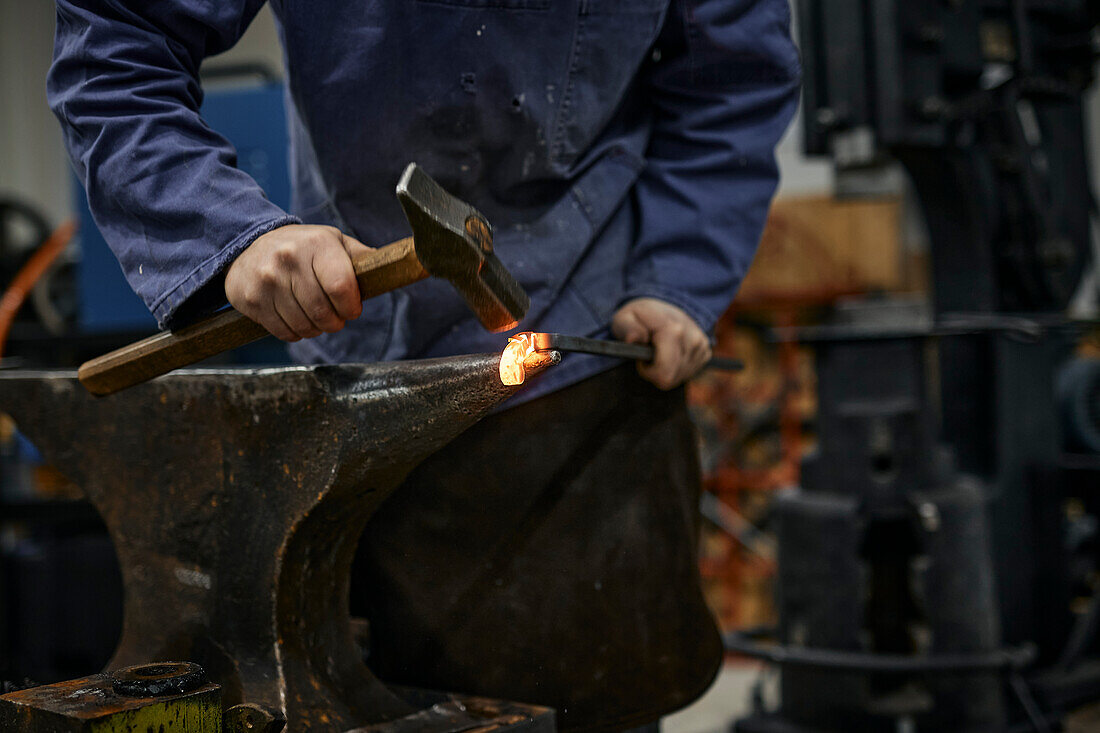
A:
[(235, 500)]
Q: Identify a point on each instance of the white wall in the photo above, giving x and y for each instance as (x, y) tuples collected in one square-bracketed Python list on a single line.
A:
[(1093, 121), (799, 175), (33, 164)]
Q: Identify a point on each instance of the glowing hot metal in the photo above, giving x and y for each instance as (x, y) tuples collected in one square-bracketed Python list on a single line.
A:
[(520, 356)]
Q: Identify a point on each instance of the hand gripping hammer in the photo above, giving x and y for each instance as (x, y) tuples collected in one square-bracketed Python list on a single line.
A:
[(451, 240)]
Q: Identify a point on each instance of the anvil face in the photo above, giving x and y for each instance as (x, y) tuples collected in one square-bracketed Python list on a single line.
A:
[(235, 500)]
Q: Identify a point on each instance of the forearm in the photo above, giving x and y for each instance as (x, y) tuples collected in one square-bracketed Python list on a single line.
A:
[(723, 93), (162, 186)]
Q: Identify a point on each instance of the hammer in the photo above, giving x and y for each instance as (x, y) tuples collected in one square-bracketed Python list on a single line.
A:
[(451, 240)]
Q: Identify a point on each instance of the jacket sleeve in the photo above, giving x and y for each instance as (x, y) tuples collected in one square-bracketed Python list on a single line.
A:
[(723, 86), (162, 186)]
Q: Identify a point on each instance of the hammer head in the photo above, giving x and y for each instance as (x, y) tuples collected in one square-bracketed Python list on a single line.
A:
[(454, 241)]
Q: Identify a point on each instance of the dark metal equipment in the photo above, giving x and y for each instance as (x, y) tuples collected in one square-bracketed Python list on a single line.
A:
[(887, 604), (925, 581), (235, 500), (982, 102)]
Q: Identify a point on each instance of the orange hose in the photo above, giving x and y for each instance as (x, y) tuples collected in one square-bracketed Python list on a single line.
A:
[(24, 281)]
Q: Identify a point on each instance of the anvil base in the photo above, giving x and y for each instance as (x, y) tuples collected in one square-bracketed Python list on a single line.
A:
[(91, 705)]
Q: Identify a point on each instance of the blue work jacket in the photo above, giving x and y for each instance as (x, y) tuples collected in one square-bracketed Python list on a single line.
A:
[(620, 148)]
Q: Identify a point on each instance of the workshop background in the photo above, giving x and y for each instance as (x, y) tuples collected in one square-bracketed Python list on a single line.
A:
[(840, 288)]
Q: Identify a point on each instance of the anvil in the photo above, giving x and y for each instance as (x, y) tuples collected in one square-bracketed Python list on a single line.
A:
[(235, 500)]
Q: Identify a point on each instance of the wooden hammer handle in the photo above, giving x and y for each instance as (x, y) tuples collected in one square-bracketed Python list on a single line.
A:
[(377, 272)]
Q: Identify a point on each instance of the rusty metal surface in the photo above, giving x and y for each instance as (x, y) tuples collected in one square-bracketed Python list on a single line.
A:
[(235, 499), (252, 718), (91, 704)]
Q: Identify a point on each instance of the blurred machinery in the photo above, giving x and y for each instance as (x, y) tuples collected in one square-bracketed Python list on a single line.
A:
[(938, 566)]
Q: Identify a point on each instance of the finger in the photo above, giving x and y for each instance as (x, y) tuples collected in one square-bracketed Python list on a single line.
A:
[(333, 270), (687, 365), (274, 323), (255, 303), (696, 353), (353, 246), (705, 352), (627, 326), (684, 369), (288, 309), (668, 358), (315, 303), (697, 347)]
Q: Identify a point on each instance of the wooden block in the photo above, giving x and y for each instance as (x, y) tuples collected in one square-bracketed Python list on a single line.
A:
[(817, 248)]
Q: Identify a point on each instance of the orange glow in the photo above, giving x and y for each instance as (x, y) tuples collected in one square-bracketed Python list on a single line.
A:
[(515, 353)]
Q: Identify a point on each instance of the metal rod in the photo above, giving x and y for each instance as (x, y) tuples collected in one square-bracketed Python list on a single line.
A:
[(1027, 702), (618, 349), (868, 662)]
